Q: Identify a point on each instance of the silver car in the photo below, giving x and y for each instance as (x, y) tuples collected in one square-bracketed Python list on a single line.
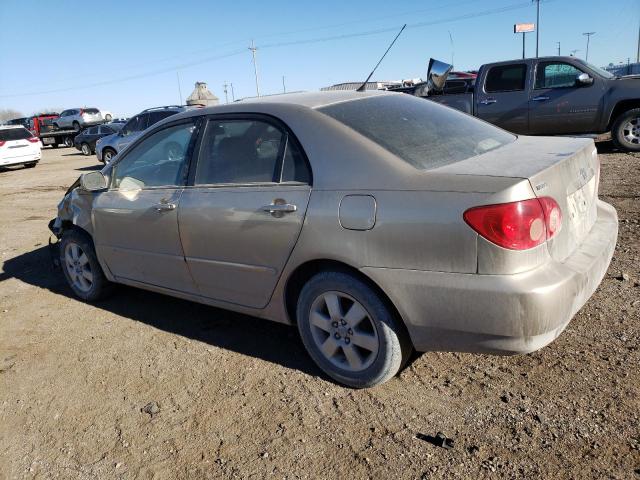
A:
[(108, 147), (78, 118), (377, 222)]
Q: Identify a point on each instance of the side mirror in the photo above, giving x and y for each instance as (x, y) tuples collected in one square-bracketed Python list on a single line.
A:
[(93, 181), (437, 74), (584, 79)]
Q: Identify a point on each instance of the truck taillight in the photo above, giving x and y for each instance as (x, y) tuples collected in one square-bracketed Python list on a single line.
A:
[(517, 225), (33, 139)]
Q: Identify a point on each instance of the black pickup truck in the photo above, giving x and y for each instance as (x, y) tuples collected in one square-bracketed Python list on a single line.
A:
[(552, 96)]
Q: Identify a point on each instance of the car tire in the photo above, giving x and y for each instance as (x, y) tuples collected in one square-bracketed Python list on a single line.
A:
[(85, 149), (107, 155), (55, 145), (68, 142), (76, 126), (81, 268), (350, 331), (30, 164), (625, 132)]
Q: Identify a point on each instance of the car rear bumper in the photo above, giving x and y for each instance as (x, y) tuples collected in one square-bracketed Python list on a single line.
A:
[(18, 160), (501, 314)]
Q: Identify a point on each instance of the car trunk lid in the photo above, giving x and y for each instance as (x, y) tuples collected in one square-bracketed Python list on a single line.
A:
[(565, 169)]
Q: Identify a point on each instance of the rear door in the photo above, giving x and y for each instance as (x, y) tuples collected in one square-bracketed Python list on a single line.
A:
[(559, 104), (243, 211), (502, 98)]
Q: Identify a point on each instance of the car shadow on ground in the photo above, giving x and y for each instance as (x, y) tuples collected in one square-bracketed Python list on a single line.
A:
[(90, 168), (251, 336), (74, 154)]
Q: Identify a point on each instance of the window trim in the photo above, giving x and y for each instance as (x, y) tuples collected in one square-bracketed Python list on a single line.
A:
[(551, 62), (288, 136), (197, 121), (523, 89)]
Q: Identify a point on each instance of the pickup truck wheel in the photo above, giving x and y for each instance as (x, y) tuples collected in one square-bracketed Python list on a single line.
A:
[(86, 150), (626, 131), (81, 267), (349, 331)]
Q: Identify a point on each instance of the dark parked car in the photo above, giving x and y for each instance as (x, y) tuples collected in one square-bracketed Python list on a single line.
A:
[(86, 140), (553, 96)]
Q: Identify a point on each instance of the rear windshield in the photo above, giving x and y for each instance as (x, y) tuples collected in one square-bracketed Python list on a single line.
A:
[(91, 111), (420, 132), (14, 134)]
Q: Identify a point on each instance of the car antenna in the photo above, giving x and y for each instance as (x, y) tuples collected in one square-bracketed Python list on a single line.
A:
[(363, 87)]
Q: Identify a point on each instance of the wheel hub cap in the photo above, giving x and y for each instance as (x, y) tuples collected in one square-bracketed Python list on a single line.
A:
[(631, 131), (78, 267), (343, 331)]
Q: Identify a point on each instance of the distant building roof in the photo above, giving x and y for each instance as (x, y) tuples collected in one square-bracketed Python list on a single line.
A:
[(356, 85)]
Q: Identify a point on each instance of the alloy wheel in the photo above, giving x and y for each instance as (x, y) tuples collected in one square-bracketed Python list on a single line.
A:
[(343, 331), (631, 131), (78, 267)]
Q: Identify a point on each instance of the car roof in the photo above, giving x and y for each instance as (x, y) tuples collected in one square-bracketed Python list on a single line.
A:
[(6, 127)]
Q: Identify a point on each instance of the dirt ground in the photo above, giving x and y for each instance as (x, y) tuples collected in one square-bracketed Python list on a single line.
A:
[(147, 386)]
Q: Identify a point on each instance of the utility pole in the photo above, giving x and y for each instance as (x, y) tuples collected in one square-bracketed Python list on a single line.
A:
[(588, 35), (179, 89), (558, 48), (638, 52), (537, 25), (253, 49), (226, 97), (284, 88), (233, 95)]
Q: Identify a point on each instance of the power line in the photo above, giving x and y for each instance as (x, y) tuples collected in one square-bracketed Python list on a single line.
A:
[(277, 45)]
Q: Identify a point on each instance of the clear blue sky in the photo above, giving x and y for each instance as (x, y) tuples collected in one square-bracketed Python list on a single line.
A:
[(62, 53)]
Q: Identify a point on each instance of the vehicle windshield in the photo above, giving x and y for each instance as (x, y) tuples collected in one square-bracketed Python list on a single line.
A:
[(600, 71), (420, 132), (7, 134)]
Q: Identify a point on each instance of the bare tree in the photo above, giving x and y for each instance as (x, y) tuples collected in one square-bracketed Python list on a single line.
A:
[(9, 114)]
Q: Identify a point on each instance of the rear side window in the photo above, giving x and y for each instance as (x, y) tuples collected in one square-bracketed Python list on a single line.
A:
[(7, 134), (506, 78), (155, 117), (423, 133)]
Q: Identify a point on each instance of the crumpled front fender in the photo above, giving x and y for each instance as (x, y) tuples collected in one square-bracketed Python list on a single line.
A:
[(74, 209)]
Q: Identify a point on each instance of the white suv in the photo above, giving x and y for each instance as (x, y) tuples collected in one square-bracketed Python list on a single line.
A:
[(78, 118), (18, 146)]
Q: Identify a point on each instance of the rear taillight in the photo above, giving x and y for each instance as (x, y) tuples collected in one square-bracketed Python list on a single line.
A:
[(2, 142), (517, 225), (81, 112), (33, 139)]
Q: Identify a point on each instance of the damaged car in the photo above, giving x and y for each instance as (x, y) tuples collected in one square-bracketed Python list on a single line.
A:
[(363, 218)]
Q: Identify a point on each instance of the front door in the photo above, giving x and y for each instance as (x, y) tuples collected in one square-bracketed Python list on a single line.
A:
[(136, 220), (242, 215), (503, 99), (559, 104)]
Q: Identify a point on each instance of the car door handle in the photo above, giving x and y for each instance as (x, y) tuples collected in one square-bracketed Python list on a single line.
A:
[(540, 98), (488, 101), (276, 208), (164, 207)]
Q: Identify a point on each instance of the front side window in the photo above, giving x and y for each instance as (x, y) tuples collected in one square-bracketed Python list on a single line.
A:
[(506, 78), (161, 159), (239, 151), (556, 75)]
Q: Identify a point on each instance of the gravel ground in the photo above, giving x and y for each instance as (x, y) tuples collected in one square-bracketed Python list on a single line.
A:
[(147, 386)]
